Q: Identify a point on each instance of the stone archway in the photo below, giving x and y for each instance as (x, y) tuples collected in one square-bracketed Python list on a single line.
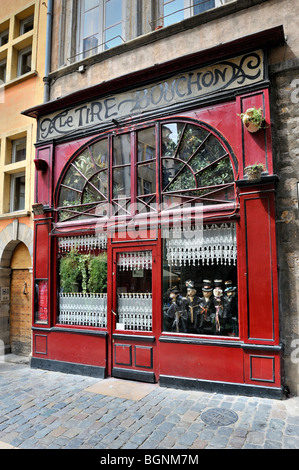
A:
[(10, 238)]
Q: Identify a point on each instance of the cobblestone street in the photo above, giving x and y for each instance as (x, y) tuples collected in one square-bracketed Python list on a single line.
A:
[(51, 410)]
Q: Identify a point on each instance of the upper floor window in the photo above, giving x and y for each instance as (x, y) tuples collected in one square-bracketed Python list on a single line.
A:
[(18, 151), (26, 25), (101, 25), (17, 192), (2, 71), (177, 10), (4, 37), (24, 61), (129, 173)]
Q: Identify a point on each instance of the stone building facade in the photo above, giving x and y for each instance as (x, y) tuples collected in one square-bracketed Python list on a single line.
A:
[(190, 40)]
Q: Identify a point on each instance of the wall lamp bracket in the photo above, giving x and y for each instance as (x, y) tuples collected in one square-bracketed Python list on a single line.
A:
[(40, 165)]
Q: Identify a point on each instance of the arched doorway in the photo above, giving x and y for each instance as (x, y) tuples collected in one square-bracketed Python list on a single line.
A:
[(21, 301)]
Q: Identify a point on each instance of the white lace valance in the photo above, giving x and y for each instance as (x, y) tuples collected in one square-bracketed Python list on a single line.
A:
[(85, 242), (135, 260), (213, 244)]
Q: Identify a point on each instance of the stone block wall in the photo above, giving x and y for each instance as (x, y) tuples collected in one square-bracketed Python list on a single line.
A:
[(285, 108)]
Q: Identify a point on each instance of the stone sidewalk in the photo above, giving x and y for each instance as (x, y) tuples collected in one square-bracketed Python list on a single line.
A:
[(51, 410)]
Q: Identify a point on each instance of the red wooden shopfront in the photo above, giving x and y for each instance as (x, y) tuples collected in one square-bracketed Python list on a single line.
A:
[(132, 194)]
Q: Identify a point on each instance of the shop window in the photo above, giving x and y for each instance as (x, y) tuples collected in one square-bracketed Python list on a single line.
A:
[(101, 25), (83, 281), (17, 192), (191, 166), (200, 293), (24, 61)]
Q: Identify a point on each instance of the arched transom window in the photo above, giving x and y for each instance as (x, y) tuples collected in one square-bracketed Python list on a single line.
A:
[(162, 165)]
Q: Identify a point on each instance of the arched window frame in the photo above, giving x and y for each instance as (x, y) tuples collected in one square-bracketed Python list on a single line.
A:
[(104, 206)]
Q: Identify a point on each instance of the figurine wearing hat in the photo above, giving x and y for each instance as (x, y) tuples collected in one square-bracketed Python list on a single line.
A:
[(177, 312), (192, 301), (218, 303), (231, 306), (206, 307)]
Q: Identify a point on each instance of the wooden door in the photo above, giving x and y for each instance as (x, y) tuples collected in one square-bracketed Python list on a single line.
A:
[(20, 312)]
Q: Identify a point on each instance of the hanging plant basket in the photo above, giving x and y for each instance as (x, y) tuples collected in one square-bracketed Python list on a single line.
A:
[(252, 119), (254, 172)]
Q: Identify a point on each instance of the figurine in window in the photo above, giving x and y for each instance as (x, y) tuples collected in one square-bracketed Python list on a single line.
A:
[(218, 304), (193, 307), (177, 312), (206, 306), (231, 307)]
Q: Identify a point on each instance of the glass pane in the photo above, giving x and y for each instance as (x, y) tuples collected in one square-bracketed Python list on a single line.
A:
[(200, 284), (99, 152), (171, 135), (97, 188), (171, 8), (146, 178), (113, 36), (68, 197), (4, 37), (146, 144), (170, 168), (122, 182), (203, 5), (74, 179), (25, 62), (85, 164), (134, 291), (2, 72), (91, 23), (121, 150), (83, 288), (19, 150), (217, 174), (19, 193), (88, 4), (192, 139), (90, 46)]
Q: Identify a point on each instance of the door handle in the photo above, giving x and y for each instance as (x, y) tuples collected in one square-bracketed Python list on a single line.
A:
[(114, 312)]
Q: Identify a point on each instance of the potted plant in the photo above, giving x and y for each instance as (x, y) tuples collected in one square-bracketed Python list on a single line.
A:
[(252, 119), (254, 172)]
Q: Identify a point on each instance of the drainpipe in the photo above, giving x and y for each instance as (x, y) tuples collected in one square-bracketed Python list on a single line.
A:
[(48, 51)]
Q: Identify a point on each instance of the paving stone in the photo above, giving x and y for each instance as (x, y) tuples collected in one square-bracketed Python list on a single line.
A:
[(55, 411)]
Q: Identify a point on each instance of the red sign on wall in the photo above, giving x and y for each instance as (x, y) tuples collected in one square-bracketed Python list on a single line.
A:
[(42, 310)]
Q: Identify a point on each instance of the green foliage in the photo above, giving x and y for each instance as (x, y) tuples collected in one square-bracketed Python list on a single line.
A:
[(83, 272), (253, 115), (97, 269), (69, 272)]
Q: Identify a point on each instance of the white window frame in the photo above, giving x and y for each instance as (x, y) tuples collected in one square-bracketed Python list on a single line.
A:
[(101, 33), (20, 55), (13, 178)]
